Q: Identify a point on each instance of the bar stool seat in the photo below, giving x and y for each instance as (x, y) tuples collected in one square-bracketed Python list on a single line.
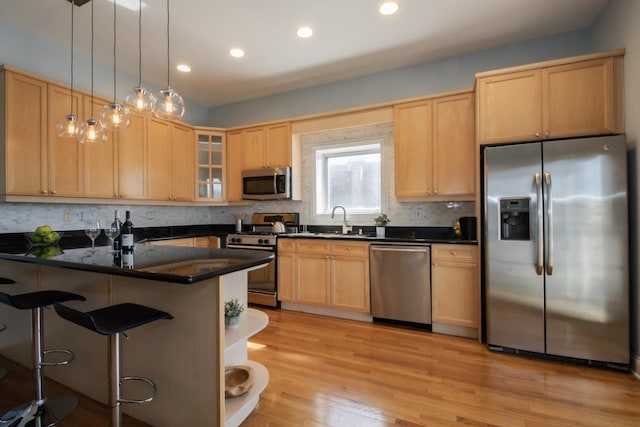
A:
[(112, 321), (42, 411)]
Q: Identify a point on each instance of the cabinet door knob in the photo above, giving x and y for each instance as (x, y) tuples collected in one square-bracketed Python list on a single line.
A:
[(44, 191), (547, 134), (454, 253), (54, 192)]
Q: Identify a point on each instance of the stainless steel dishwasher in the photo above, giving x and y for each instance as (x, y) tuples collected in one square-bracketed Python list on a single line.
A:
[(401, 283)]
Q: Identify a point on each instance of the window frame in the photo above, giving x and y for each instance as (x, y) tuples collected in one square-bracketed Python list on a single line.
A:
[(361, 218)]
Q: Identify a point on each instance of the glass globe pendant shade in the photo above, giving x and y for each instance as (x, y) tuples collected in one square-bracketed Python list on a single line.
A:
[(139, 99), (91, 131), (115, 116), (169, 105), (67, 127)]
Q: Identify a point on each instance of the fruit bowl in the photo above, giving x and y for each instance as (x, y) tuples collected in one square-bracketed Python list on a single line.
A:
[(51, 238)]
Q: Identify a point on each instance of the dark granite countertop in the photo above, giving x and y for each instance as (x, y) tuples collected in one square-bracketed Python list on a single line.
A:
[(431, 235), (163, 263)]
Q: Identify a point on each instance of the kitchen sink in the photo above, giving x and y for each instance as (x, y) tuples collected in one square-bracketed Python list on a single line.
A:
[(335, 235)]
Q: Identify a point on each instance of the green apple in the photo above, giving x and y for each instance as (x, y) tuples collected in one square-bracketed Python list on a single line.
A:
[(35, 238), (43, 229), (49, 237)]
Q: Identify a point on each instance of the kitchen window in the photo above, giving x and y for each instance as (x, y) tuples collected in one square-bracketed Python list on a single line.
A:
[(348, 174)]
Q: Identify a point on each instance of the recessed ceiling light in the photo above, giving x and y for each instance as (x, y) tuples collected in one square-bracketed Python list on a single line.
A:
[(184, 68), (304, 32), (236, 52), (388, 8)]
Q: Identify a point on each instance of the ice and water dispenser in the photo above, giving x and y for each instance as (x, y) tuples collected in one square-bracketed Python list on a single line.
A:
[(514, 219)]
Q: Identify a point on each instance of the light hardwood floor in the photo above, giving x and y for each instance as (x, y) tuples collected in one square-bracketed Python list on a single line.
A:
[(332, 372)]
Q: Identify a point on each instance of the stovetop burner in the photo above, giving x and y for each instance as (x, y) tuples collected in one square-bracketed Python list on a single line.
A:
[(262, 235)]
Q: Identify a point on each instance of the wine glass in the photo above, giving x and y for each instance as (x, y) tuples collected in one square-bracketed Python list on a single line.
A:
[(112, 232), (92, 231)]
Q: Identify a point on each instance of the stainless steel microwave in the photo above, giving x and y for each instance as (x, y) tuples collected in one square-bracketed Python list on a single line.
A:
[(266, 184)]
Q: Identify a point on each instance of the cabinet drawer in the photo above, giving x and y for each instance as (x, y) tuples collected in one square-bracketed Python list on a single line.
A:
[(350, 248), (455, 253), (286, 245), (312, 246)]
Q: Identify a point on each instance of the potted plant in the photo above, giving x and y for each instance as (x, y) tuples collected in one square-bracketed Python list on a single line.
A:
[(232, 310), (381, 221)]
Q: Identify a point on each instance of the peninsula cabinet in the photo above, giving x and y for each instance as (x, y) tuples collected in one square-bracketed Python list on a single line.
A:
[(455, 290), (324, 273), (170, 161), (566, 98), (434, 147)]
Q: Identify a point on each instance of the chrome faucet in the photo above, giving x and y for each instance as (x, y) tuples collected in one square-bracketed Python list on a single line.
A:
[(346, 228)]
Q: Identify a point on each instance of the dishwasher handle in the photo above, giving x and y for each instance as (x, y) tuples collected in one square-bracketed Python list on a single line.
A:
[(419, 249)]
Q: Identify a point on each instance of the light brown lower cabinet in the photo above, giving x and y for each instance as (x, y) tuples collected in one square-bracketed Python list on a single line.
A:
[(325, 273), (189, 242), (455, 290)]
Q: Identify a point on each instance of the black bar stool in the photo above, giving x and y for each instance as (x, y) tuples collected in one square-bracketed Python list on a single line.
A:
[(4, 281), (112, 321), (41, 411)]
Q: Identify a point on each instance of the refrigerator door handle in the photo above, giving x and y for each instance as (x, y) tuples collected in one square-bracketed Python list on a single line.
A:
[(549, 222), (539, 226)]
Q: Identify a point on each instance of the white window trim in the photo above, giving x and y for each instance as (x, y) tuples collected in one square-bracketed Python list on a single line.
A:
[(353, 218)]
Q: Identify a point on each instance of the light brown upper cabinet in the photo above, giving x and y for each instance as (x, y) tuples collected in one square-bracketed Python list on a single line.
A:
[(209, 155), (170, 161), (267, 146), (65, 155), (574, 99), (131, 147), (25, 136), (434, 147), (233, 166), (99, 158), (114, 169)]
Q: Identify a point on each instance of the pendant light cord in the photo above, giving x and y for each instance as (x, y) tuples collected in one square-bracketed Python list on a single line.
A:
[(114, 51), (73, 3), (168, 62), (92, 59), (139, 43)]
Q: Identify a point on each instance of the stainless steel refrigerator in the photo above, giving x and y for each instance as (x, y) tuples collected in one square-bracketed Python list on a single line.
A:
[(555, 231)]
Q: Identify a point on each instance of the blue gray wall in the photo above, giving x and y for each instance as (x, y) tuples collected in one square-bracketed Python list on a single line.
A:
[(52, 60), (423, 79)]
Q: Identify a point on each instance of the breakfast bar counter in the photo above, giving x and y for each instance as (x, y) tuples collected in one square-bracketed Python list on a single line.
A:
[(185, 357)]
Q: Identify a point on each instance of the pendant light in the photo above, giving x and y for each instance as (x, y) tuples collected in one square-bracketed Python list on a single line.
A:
[(139, 98), (91, 131), (67, 127), (168, 105), (115, 115)]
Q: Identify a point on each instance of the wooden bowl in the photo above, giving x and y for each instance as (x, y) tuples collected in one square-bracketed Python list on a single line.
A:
[(237, 380)]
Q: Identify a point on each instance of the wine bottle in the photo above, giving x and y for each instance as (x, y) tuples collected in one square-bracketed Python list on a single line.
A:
[(127, 235), (117, 225)]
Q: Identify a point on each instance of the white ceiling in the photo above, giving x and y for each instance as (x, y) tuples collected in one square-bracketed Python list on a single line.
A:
[(350, 38)]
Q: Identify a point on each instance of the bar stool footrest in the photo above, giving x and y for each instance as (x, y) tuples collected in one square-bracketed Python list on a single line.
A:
[(139, 401), (70, 353)]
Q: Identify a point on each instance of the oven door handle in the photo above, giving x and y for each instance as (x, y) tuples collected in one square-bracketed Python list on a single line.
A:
[(253, 248)]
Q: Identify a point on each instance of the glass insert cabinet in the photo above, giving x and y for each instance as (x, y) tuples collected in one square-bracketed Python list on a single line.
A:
[(209, 151)]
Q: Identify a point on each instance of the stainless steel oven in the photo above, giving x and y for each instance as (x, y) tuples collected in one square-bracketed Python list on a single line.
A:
[(263, 282)]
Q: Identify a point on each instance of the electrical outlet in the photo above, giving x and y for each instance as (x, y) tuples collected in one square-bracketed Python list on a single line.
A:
[(68, 216)]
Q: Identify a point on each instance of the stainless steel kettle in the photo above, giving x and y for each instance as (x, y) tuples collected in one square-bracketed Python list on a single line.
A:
[(277, 227)]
